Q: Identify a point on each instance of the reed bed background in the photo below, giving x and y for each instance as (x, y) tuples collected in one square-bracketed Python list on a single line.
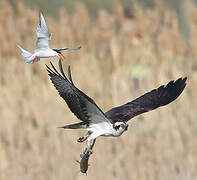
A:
[(121, 58)]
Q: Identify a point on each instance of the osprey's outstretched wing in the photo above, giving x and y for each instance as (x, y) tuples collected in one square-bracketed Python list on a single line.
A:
[(79, 103), (147, 102)]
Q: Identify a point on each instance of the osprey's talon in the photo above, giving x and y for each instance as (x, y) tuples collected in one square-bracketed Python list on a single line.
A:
[(81, 139)]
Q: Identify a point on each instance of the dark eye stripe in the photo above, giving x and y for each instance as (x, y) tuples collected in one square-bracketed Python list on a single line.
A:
[(117, 127)]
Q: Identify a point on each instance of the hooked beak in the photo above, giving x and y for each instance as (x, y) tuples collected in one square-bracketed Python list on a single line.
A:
[(126, 127), (61, 56)]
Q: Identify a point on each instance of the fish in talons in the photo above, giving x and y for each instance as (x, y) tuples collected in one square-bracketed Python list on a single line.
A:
[(83, 162)]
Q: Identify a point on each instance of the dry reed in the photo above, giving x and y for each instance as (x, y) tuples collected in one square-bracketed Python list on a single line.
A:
[(121, 59)]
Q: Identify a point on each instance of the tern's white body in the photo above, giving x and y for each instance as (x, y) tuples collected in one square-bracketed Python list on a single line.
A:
[(39, 53), (45, 53)]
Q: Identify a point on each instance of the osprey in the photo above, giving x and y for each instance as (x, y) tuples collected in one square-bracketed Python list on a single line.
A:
[(114, 121), (42, 49)]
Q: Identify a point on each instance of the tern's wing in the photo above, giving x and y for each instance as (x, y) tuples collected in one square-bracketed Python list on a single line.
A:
[(43, 34), (149, 101), (79, 103), (62, 49)]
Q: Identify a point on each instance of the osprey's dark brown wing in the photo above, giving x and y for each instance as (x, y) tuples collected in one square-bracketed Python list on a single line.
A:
[(149, 101), (79, 103)]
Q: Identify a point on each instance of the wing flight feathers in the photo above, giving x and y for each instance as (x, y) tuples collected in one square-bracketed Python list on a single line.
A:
[(68, 93), (61, 69), (69, 75), (67, 48), (149, 101), (79, 103)]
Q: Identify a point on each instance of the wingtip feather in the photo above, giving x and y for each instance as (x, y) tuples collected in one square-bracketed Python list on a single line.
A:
[(172, 90), (61, 68), (69, 75), (40, 15)]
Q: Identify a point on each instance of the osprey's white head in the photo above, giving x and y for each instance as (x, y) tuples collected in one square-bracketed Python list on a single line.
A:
[(119, 128)]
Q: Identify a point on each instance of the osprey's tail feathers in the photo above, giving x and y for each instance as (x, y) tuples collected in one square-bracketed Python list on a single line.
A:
[(81, 125), (28, 58)]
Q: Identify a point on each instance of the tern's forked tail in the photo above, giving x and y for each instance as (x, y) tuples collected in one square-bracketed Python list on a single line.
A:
[(27, 56)]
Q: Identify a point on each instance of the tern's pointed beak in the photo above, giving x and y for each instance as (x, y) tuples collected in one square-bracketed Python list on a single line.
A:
[(61, 56)]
